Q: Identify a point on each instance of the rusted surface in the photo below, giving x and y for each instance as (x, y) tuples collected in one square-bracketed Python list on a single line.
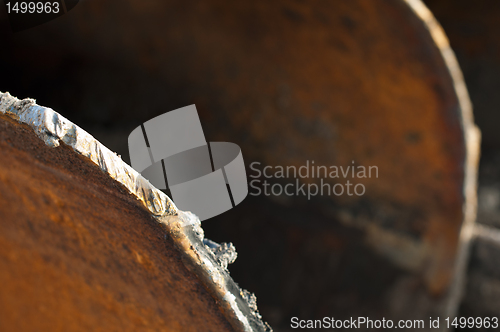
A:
[(78, 253), (326, 81), (329, 81), (335, 82)]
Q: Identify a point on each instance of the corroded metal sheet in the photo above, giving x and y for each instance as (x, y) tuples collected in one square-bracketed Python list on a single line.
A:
[(53, 128), (373, 82), (201, 261)]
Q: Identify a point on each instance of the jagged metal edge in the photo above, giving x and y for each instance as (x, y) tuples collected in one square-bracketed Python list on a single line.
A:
[(188, 236), (53, 128), (184, 227)]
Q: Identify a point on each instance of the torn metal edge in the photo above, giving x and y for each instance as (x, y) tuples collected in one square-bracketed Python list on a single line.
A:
[(53, 128), (200, 257)]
